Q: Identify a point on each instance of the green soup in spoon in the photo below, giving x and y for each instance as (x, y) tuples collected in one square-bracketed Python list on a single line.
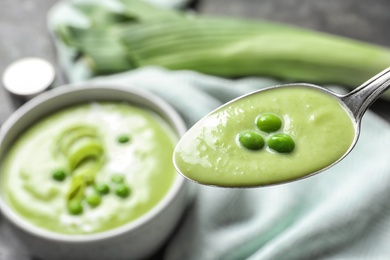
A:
[(275, 135)]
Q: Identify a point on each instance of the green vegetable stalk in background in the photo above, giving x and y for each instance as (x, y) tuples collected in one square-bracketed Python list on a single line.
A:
[(141, 35)]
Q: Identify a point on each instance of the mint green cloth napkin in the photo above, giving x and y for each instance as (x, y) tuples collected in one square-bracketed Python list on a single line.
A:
[(342, 213)]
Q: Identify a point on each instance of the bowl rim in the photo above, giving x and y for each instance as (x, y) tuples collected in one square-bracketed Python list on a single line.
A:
[(177, 124)]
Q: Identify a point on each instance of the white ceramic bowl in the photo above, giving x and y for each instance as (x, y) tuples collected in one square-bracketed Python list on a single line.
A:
[(135, 240)]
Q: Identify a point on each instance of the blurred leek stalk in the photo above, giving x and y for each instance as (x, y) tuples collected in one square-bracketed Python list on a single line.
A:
[(141, 35)]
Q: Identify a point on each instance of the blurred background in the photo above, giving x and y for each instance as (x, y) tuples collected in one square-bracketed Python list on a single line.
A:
[(23, 33), (23, 29)]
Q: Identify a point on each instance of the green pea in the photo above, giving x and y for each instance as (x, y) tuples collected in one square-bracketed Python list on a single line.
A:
[(102, 188), (123, 139), (75, 207), (94, 200), (251, 140), (269, 123), (59, 175), (282, 143), (117, 178), (122, 191)]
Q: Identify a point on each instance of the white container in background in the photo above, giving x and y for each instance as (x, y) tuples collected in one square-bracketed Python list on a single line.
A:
[(28, 77)]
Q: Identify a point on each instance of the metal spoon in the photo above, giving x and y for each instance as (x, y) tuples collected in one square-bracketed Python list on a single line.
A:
[(356, 101)]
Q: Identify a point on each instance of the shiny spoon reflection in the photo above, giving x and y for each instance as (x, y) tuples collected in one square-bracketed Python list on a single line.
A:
[(186, 155)]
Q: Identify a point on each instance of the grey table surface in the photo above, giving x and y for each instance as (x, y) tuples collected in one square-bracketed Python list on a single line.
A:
[(23, 32)]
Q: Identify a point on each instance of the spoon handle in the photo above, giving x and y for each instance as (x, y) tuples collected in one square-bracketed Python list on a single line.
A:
[(360, 99)]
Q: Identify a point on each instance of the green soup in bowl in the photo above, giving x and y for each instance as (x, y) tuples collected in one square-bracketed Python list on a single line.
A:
[(86, 173), (89, 168)]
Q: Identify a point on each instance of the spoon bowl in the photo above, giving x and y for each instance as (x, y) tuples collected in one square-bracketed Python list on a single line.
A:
[(210, 152)]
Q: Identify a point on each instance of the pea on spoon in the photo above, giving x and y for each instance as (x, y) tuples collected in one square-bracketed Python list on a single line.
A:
[(276, 135)]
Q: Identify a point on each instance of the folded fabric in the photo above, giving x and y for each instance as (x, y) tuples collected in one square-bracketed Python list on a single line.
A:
[(342, 213), (338, 214)]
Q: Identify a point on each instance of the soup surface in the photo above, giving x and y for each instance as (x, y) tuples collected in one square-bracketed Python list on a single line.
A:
[(89, 168), (269, 137)]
